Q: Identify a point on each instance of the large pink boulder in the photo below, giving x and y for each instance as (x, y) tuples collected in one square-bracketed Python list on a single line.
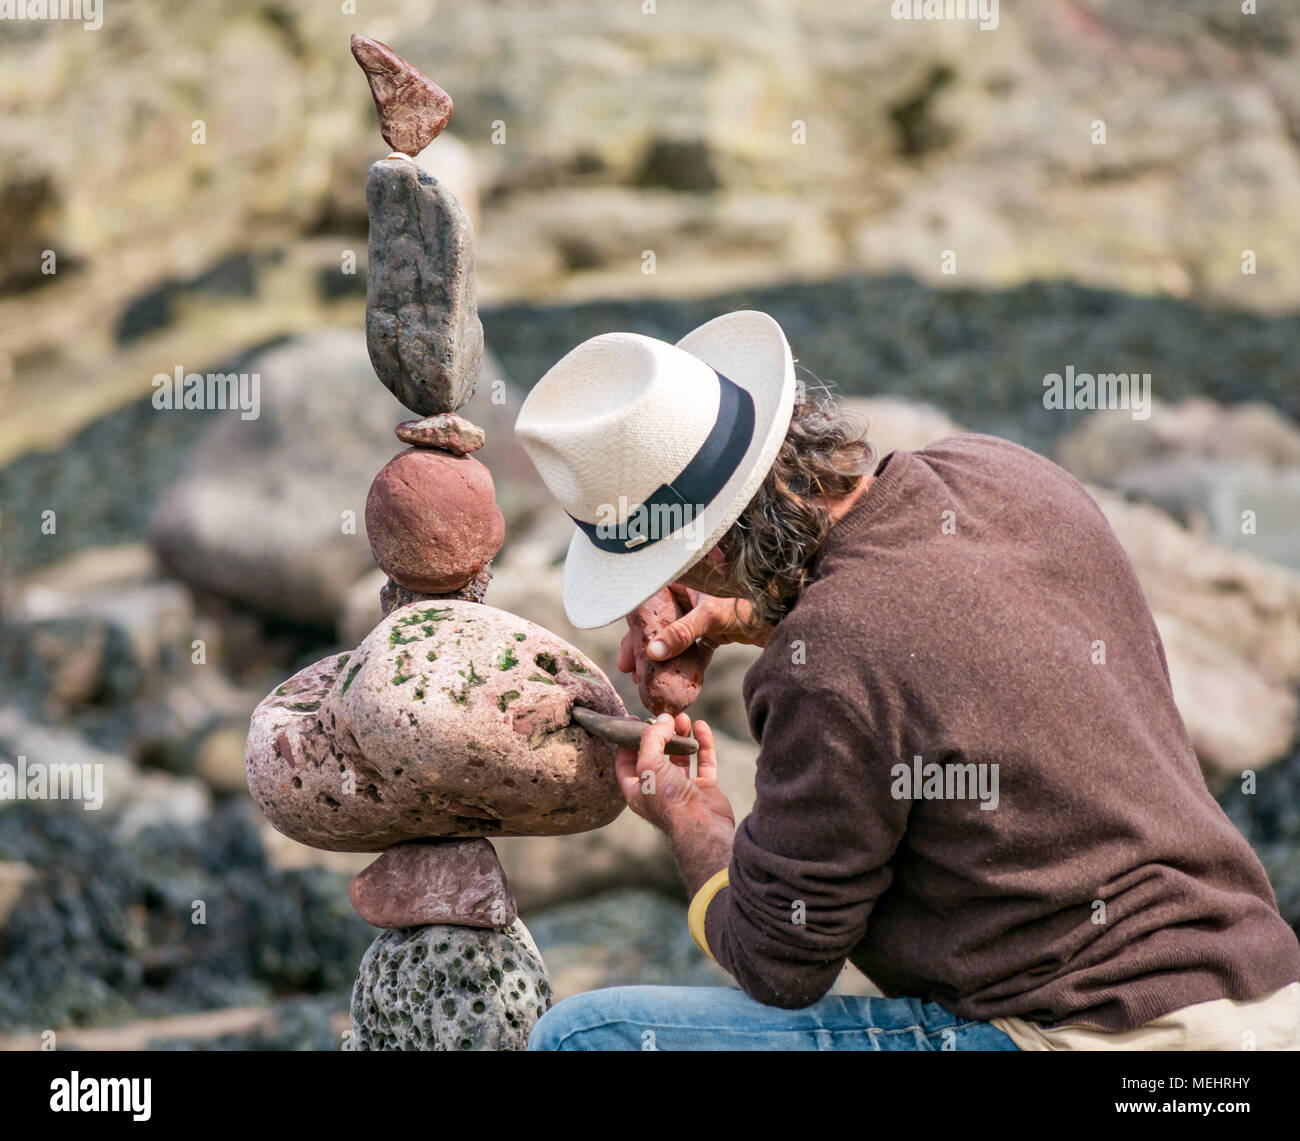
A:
[(450, 719)]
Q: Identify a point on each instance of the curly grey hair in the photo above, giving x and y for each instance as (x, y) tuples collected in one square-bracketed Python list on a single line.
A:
[(769, 547)]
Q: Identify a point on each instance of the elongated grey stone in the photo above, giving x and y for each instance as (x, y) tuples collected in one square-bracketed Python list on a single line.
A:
[(449, 988), (422, 327)]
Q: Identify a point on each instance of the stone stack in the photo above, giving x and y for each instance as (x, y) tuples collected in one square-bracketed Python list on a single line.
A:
[(452, 721)]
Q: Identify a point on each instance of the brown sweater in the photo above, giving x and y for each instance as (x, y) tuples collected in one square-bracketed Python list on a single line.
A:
[(1010, 633)]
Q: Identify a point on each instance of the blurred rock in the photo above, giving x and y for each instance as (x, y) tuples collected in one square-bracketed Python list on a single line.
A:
[(290, 856), (95, 632), (160, 799), (449, 988), (361, 611), (596, 238), (118, 780), (176, 729), (14, 878), (630, 852), (1266, 808), (220, 760), (1236, 718), (892, 423), (635, 937), (270, 512), (1108, 445), (720, 702), (626, 936), (30, 223), (1251, 607), (107, 931), (677, 164), (1244, 506), (122, 798), (1230, 472)]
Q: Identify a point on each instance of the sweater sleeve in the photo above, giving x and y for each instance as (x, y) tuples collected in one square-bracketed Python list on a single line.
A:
[(813, 855)]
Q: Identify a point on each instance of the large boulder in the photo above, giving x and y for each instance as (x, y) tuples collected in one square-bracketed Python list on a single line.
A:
[(892, 423), (269, 513), (1229, 472), (448, 720), (1236, 717), (1250, 606), (1107, 445), (1242, 505)]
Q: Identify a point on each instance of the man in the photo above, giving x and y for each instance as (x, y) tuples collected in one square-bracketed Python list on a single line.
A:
[(973, 782)]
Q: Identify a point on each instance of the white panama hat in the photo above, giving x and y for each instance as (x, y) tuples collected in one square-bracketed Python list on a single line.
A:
[(654, 450)]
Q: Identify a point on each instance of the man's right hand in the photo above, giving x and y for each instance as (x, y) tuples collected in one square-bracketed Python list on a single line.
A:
[(718, 621)]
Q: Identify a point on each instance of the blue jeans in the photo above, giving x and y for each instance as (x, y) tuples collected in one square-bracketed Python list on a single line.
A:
[(725, 1018)]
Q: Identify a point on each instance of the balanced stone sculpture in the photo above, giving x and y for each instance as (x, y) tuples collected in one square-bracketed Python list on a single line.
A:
[(452, 721)]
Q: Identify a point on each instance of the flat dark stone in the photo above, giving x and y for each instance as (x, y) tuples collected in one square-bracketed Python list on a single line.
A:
[(434, 881)]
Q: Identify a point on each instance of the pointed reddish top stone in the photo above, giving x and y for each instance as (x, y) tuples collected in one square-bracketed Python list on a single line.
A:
[(412, 108)]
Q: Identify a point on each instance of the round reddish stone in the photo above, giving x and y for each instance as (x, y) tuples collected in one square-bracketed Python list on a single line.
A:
[(432, 520)]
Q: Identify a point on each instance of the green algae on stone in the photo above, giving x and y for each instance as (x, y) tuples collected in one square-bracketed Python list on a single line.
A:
[(547, 662), (426, 615), (352, 673)]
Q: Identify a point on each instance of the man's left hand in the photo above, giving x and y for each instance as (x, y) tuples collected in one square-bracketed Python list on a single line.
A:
[(692, 810)]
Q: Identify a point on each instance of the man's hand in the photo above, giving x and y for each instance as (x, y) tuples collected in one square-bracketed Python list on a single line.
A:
[(691, 810), (717, 621)]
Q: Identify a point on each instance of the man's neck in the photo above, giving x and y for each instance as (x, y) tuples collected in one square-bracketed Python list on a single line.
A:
[(838, 508)]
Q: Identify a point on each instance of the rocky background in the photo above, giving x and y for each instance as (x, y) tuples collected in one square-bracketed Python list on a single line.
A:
[(625, 170)]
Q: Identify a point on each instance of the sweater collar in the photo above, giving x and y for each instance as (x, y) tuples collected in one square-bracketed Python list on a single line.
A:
[(891, 474)]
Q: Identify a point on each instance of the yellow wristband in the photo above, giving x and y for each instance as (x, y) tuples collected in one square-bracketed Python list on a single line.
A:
[(700, 906)]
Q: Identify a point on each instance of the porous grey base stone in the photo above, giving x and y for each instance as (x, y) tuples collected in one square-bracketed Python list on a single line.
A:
[(449, 988)]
